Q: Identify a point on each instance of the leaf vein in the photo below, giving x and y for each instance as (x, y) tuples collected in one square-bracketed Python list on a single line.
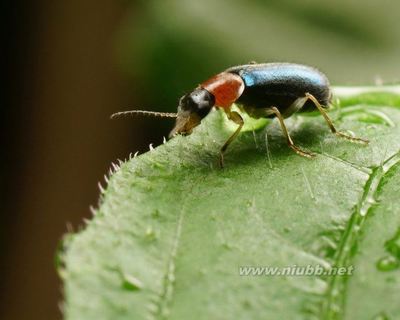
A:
[(332, 306)]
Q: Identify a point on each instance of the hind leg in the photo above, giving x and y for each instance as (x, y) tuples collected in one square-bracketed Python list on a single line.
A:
[(330, 123)]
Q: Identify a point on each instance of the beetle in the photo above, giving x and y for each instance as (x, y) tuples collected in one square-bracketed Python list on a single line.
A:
[(266, 90)]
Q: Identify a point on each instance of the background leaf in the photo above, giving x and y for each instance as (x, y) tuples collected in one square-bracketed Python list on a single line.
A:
[(172, 229)]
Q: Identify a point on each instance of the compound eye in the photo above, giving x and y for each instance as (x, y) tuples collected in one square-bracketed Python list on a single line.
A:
[(186, 103)]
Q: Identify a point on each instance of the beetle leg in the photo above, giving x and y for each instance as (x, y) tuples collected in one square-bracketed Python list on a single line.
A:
[(236, 118), (286, 133), (295, 106), (330, 123)]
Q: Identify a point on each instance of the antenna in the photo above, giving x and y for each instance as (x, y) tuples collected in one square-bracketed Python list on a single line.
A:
[(144, 113)]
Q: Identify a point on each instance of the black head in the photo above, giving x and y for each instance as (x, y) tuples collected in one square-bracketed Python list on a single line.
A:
[(193, 107)]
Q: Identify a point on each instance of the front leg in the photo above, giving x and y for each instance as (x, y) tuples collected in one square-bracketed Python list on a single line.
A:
[(235, 117)]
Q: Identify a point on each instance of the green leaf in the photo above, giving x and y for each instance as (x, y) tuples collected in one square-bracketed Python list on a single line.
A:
[(173, 230)]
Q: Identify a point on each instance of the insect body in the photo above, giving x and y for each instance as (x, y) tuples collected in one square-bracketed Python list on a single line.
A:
[(262, 91)]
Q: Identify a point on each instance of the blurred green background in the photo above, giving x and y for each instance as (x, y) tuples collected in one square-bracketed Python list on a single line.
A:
[(71, 64)]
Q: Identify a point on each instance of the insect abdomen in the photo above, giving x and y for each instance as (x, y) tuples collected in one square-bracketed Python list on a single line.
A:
[(279, 84)]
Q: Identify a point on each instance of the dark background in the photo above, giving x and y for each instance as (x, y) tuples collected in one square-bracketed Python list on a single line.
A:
[(69, 64)]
